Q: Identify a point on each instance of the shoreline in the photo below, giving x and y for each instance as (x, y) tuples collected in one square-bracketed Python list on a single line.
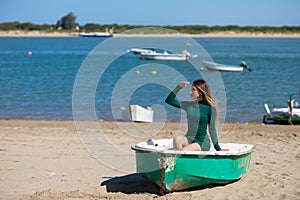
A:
[(46, 122), (206, 35), (117, 121)]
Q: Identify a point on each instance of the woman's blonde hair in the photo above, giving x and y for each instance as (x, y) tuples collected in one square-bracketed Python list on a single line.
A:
[(203, 88)]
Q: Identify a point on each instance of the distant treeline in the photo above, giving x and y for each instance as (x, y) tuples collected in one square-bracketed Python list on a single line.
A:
[(189, 29)]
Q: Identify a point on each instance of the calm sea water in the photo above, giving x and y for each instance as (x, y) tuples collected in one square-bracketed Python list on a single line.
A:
[(40, 86)]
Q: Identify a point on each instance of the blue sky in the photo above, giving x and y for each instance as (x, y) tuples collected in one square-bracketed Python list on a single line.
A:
[(155, 12)]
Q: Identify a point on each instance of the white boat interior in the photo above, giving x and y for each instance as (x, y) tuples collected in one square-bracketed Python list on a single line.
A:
[(159, 54), (164, 56), (166, 146), (281, 111), (139, 50)]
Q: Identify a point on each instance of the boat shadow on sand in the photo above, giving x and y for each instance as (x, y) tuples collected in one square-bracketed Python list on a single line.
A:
[(136, 183), (129, 184)]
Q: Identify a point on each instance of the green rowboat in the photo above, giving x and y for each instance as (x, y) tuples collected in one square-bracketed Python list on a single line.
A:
[(174, 170)]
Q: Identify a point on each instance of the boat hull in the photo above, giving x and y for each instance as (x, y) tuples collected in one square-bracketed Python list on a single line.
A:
[(140, 51), (172, 172), (222, 68), (98, 35), (285, 120), (281, 116), (281, 120), (165, 57), (138, 113)]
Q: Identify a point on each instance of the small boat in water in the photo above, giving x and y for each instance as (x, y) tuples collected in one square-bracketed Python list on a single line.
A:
[(225, 68), (165, 55), (221, 67), (160, 54), (139, 50), (106, 34), (102, 35), (175, 170)]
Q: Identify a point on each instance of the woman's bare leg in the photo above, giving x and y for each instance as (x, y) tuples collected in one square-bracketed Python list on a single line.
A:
[(179, 142), (192, 147)]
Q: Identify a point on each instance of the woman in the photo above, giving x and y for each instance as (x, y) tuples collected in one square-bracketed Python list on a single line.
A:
[(200, 113)]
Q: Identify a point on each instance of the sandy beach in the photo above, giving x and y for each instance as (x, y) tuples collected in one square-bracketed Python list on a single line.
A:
[(47, 160), (228, 34)]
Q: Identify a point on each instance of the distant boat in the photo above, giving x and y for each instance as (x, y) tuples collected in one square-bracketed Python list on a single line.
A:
[(222, 67), (139, 50), (106, 34), (137, 113), (103, 35), (167, 56)]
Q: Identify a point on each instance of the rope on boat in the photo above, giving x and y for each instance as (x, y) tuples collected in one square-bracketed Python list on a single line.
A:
[(162, 163), (166, 163)]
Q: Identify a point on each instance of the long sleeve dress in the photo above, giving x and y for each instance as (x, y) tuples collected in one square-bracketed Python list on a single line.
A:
[(199, 115)]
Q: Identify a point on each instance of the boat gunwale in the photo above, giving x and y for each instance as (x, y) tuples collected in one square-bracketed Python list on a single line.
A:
[(196, 153), (163, 54)]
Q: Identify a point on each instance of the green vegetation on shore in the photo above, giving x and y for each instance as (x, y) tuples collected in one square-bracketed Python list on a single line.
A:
[(67, 24), (189, 29)]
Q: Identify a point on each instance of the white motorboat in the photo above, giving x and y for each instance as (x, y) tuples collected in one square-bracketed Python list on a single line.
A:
[(163, 56), (139, 50), (221, 67), (167, 56), (103, 35), (98, 34)]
